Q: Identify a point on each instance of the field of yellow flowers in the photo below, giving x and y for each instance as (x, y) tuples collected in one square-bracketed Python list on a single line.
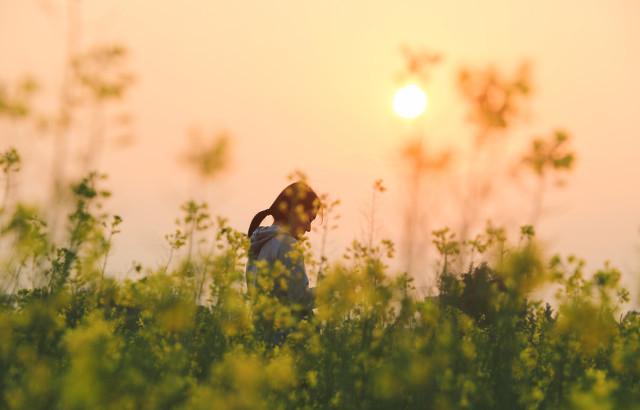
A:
[(187, 336)]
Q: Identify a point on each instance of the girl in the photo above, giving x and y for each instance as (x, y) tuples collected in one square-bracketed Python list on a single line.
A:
[(273, 248)]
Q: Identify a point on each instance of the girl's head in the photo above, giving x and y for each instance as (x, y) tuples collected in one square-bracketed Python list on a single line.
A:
[(295, 208)]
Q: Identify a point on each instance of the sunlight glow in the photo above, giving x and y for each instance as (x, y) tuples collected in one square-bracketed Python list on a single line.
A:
[(409, 101)]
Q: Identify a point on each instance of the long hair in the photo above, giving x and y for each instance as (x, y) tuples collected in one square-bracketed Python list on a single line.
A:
[(295, 195)]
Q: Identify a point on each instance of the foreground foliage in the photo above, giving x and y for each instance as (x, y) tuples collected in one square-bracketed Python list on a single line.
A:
[(187, 335)]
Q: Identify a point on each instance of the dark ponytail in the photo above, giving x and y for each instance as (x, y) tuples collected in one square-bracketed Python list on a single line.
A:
[(297, 193), (257, 220)]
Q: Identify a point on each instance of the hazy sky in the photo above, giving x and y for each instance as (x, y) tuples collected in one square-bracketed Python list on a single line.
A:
[(308, 85)]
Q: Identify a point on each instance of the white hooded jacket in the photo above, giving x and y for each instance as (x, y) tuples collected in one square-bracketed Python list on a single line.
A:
[(272, 244)]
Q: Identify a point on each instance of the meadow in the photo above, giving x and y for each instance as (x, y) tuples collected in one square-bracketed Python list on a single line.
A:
[(186, 334)]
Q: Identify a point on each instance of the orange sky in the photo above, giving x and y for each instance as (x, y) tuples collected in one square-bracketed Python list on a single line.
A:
[(308, 85)]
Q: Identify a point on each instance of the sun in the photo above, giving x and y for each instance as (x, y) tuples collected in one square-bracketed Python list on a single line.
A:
[(409, 101)]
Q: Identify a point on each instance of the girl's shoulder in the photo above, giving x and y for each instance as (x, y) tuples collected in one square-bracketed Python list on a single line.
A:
[(273, 236), (286, 242)]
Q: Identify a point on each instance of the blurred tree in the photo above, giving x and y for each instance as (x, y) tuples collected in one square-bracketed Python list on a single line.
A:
[(16, 103), (377, 189), (103, 79), (418, 65), (546, 157), (10, 164), (496, 103), (88, 110), (208, 156), (417, 162)]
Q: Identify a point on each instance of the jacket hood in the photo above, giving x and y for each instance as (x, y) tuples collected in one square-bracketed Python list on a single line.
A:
[(261, 236)]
